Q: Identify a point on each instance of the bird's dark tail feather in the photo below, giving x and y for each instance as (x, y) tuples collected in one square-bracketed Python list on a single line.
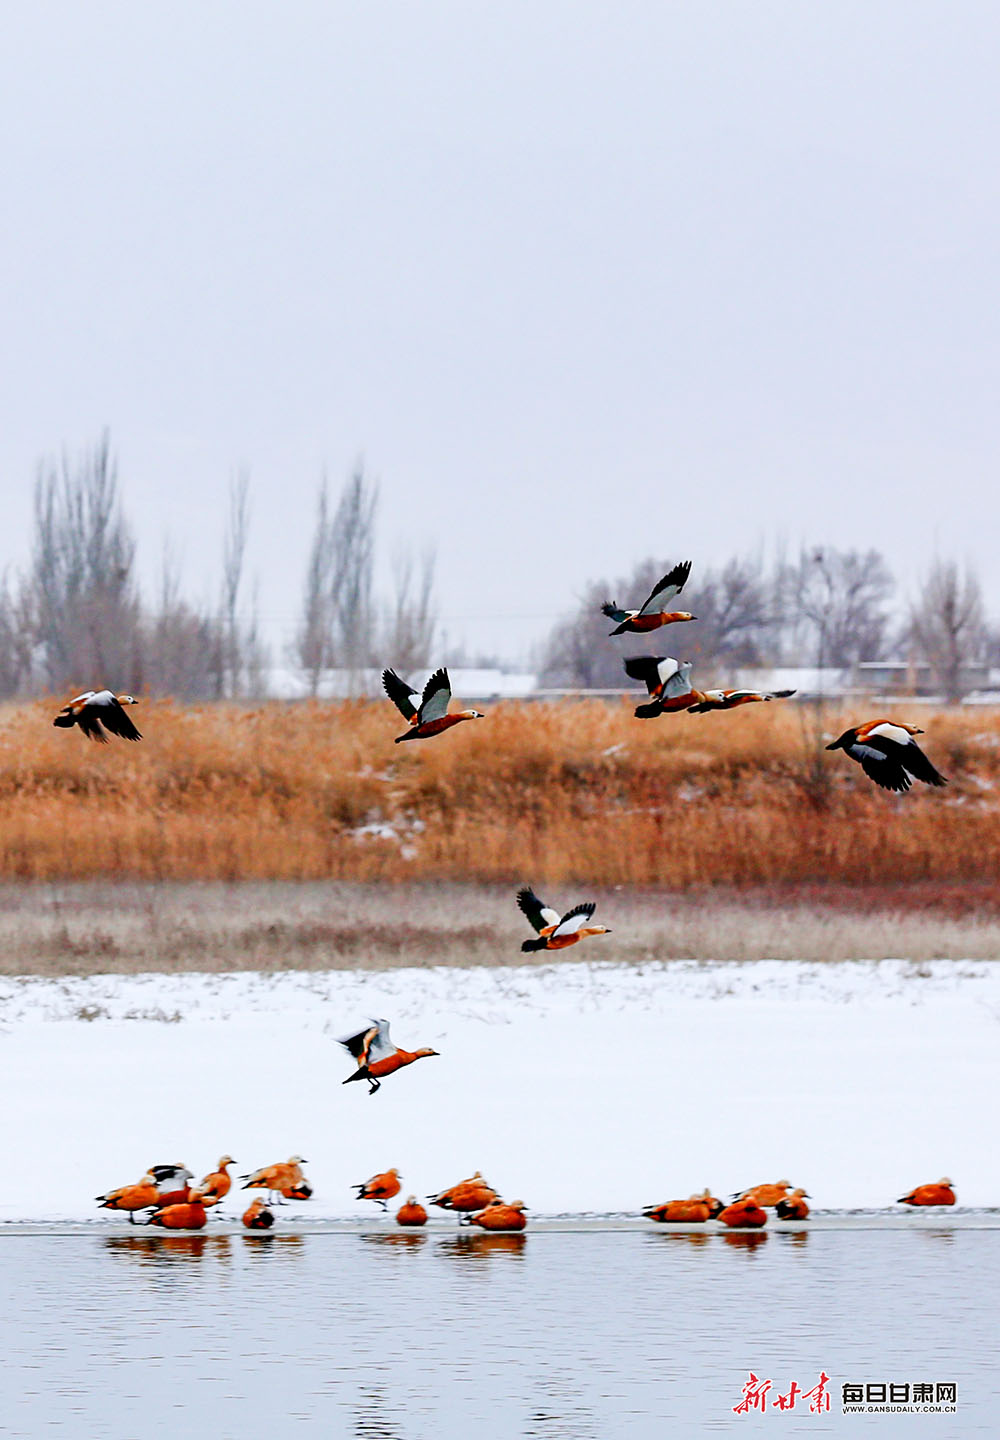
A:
[(529, 945), (360, 1074), (650, 711)]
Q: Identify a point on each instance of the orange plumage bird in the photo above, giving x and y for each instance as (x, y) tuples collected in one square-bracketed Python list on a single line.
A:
[(691, 1212), (793, 1207), (555, 931), (377, 1056), (411, 1212), (96, 711), (501, 1215), (380, 1188), (766, 1196), (187, 1215), (171, 1182), (285, 1178), (130, 1198), (257, 1216), (654, 610), (430, 717), (465, 1197), (743, 1212), (668, 681), (942, 1193), (219, 1183), (888, 754), (731, 699)]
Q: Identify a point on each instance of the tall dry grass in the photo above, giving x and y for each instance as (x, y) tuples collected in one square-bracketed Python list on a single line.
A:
[(552, 793)]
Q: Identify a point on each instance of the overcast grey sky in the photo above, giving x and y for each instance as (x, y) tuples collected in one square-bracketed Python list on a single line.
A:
[(583, 282)]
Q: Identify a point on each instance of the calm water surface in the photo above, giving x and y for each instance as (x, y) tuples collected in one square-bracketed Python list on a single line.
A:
[(549, 1334)]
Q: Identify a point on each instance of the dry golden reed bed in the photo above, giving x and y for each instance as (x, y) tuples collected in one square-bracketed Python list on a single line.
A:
[(554, 794)]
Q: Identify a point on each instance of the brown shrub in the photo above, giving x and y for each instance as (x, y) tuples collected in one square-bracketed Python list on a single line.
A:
[(550, 792)]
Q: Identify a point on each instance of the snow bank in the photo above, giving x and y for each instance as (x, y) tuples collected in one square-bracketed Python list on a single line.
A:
[(575, 1087)]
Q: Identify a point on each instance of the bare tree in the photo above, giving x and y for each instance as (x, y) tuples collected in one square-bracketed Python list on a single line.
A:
[(17, 628), (735, 614), (947, 624), (834, 605), (182, 644), (230, 669), (338, 617), (733, 626), (82, 591), (313, 647), (353, 553), (410, 630)]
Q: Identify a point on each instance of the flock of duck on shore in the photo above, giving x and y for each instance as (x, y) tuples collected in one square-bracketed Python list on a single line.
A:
[(173, 1203), (884, 748)]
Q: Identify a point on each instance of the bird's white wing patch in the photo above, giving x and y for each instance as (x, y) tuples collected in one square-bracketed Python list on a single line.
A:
[(571, 923), (896, 733), (550, 916), (381, 1047), (667, 667)]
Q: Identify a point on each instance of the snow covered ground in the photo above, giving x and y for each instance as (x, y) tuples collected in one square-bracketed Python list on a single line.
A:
[(575, 1087)]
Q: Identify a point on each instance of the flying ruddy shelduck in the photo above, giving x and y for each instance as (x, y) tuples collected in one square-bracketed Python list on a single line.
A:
[(555, 932), (501, 1215), (655, 611), (285, 1178), (729, 699), (219, 1183), (430, 716), (96, 711), (942, 1193), (668, 682), (888, 754), (142, 1196), (380, 1188), (377, 1056)]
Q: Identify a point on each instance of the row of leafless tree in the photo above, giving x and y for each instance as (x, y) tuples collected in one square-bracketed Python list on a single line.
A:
[(76, 616), (826, 607)]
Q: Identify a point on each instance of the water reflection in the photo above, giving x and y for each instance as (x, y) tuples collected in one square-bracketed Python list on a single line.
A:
[(745, 1239), (401, 1239), (160, 1249), (482, 1247), (484, 1335), (794, 1237), (689, 1237), (374, 1419), (264, 1244)]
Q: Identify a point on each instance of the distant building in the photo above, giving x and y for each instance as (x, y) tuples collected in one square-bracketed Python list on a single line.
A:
[(907, 677)]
